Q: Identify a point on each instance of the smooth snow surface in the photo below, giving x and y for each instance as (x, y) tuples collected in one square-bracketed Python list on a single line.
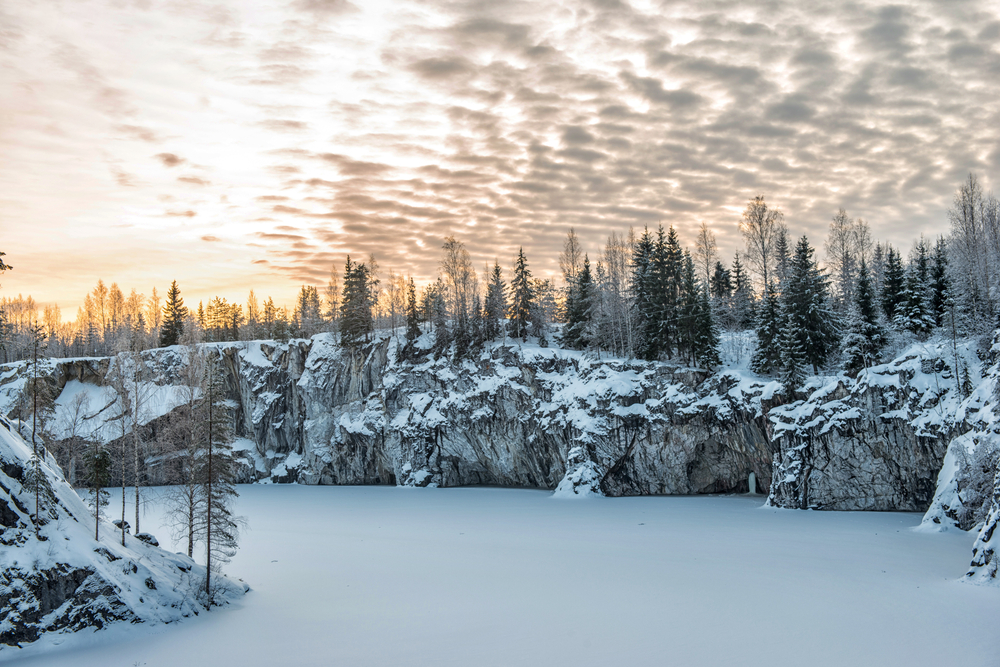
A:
[(481, 576)]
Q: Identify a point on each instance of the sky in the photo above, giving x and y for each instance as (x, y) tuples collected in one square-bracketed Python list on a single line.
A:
[(252, 145)]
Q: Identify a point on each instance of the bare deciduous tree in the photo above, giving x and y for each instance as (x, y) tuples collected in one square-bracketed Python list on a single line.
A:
[(759, 226), (705, 250)]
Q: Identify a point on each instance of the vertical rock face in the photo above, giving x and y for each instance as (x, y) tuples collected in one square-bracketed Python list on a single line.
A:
[(320, 415), (308, 411), (876, 443)]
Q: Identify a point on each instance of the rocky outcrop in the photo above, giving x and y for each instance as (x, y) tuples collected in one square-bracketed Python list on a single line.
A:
[(55, 578), (874, 443), (309, 411)]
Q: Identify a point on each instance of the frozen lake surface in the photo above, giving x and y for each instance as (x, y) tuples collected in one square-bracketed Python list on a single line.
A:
[(483, 576)]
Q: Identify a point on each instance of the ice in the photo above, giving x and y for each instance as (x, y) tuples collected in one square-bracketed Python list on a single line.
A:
[(478, 576)]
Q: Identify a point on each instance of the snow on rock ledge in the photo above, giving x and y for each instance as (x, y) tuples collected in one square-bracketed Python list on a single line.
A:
[(60, 580)]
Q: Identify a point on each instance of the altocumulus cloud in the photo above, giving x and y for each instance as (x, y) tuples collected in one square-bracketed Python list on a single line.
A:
[(358, 130)]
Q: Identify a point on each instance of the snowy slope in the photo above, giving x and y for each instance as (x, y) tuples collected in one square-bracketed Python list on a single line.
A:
[(55, 578)]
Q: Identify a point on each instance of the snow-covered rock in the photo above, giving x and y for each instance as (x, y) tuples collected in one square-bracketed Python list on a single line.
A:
[(56, 578), (311, 412), (582, 479), (872, 443)]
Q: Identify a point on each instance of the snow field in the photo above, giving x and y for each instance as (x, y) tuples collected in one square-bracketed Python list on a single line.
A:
[(484, 576)]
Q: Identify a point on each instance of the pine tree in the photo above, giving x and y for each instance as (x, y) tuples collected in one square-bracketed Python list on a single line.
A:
[(767, 357), (356, 305), (706, 343), (98, 462), (865, 337), (744, 315), (174, 313), (442, 333), (913, 314), (412, 315), (940, 285), (522, 298), (38, 483), (893, 284), (641, 291), (793, 357), (219, 527), (805, 305), (579, 309), (782, 256), (496, 304), (687, 312)]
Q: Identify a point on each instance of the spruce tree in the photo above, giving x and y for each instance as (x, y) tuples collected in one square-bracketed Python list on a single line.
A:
[(442, 334), (744, 314), (174, 313), (721, 282), (940, 285), (805, 305), (412, 315), (98, 462), (496, 304), (356, 305), (782, 256), (522, 298), (579, 309), (767, 357), (686, 317), (38, 483), (864, 337), (217, 471), (793, 356), (643, 299), (893, 284), (706, 343)]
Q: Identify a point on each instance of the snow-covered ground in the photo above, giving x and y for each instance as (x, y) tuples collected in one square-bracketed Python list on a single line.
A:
[(484, 576)]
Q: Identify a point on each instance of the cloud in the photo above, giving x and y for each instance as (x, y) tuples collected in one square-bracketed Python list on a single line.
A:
[(506, 124), (180, 214), (284, 125), (169, 159), (210, 239)]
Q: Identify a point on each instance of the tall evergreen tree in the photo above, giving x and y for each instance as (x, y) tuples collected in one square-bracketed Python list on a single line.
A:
[(669, 296), (643, 298), (174, 313), (496, 304), (219, 527), (412, 314), (356, 305), (805, 302), (442, 333), (579, 309), (893, 284), (522, 298), (706, 343), (98, 460), (793, 356), (782, 255), (721, 282), (767, 357), (864, 337), (744, 314), (940, 285), (913, 314)]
